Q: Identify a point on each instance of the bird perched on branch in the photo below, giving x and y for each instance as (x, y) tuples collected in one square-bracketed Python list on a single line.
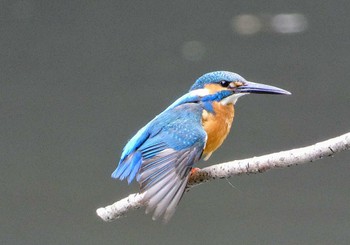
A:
[(161, 155)]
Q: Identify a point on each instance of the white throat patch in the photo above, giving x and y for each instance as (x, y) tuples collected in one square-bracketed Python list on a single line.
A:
[(200, 92), (232, 99)]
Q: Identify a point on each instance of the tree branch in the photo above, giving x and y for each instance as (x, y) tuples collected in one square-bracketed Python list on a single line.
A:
[(238, 167)]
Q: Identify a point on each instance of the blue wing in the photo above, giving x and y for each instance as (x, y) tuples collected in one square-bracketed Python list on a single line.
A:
[(130, 159), (165, 153)]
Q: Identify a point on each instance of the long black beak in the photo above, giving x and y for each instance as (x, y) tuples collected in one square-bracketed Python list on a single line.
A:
[(259, 88)]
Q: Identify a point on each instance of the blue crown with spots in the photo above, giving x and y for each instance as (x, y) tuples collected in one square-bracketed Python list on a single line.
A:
[(216, 77)]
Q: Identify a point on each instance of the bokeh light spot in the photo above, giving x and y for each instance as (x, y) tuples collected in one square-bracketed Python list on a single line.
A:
[(289, 23), (193, 50), (246, 24)]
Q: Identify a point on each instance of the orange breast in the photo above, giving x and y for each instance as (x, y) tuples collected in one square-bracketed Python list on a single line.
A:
[(217, 126)]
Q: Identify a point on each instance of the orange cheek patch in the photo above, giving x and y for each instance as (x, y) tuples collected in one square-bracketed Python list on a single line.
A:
[(238, 84), (213, 88)]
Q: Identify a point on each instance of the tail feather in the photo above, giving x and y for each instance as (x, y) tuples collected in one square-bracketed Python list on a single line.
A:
[(129, 167)]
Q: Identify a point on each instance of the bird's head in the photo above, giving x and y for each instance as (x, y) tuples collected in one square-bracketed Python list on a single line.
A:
[(226, 87)]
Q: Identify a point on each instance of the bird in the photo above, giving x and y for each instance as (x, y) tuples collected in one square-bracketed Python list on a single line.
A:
[(161, 155)]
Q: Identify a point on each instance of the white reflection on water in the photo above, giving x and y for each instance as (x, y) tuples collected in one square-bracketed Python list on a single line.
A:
[(193, 50), (289, 23), (247, 24), (250, 24)]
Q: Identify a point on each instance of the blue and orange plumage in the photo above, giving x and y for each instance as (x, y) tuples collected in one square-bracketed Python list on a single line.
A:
[(161, 154)]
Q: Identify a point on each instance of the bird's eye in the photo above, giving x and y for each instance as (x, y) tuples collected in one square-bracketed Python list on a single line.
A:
[(225, 83)]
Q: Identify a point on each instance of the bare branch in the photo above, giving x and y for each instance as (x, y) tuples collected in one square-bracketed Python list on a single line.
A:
[(246, 166)]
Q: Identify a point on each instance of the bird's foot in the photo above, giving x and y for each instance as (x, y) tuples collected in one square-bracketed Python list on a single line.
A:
[(193, 171), (192, 176)]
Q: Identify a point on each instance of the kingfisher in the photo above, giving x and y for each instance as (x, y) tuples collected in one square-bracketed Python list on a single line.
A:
[(161, 155)]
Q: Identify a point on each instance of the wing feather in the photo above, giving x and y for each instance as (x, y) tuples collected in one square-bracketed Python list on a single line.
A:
[(164, 188), (162, 157)]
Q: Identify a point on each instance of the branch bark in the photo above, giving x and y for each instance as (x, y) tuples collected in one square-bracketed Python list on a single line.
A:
[(252, 165)]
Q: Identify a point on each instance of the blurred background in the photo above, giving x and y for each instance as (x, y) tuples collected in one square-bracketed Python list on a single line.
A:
[(79, 78)]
